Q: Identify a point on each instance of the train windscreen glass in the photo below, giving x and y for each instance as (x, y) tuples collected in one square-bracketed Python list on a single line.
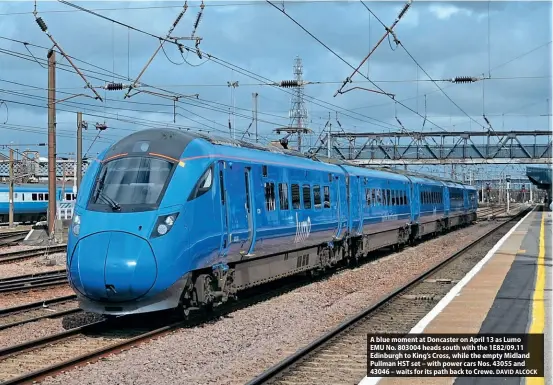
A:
[(131, 181)]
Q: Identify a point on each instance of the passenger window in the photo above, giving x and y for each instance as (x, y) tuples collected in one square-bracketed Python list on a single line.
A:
[(327, 197), (295, 197), (270, 201), (283, 195), (45, 197), (306, 196), (34, 197), (265, 172), (317, 196), (368, 197), (203, 185)]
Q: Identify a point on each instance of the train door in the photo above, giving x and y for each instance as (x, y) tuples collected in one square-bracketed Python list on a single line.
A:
[(415, 201), (341, 205), (250, 208), (362, 202), (355, 194), (447, 202), (225, 241)]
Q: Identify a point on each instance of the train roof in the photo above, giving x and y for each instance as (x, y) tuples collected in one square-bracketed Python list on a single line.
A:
[(369, 172), (31, 187), (172, 142)]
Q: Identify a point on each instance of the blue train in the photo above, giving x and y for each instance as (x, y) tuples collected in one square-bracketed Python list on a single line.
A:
[(170, 219), (30, 201)]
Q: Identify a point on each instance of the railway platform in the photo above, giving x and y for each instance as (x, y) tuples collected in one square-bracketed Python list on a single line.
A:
[(509, 291)]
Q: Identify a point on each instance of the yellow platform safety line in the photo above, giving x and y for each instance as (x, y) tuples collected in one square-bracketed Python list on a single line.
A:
[(538, 304)]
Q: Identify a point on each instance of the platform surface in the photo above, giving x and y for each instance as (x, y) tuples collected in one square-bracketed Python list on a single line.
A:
[(509, 293)]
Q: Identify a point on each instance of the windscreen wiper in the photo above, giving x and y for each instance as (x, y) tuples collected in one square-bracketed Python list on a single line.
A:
[(113, 204)]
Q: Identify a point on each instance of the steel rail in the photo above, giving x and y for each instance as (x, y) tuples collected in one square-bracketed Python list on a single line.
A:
[(31, 276), (24, 254), (103, 351), (39, 283), (283, 365), (11, 237), (27, 306), (38, 318), (110, 348)]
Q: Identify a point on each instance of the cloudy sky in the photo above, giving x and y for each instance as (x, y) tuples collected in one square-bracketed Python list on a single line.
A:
[(255, 44)]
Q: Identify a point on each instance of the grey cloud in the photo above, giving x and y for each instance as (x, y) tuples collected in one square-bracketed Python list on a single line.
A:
[(262, 40)]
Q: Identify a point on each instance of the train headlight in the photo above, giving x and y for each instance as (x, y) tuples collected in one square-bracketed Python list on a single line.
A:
[(76, 224), (164, 224)]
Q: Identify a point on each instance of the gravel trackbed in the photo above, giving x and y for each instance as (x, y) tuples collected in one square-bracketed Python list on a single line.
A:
[(236, 348)]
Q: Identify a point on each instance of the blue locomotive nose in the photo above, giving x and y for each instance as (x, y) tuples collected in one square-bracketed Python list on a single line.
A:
[(117, 266)]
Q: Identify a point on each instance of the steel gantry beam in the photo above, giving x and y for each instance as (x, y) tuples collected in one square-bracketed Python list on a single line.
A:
[(399, 148)]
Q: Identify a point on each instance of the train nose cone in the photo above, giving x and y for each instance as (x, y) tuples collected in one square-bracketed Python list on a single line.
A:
[(119, 266)]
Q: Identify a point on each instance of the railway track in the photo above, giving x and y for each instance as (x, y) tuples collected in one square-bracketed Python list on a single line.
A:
[(339, 357), (36, 359), (33, 360), (497, 209), (52, 308), (33, 281), (9, 238), (32, 253)]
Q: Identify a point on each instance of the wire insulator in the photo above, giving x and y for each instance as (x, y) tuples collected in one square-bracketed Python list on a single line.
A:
[(289, 83), (178, 19), (41, 24), (101, 127), (114, 86), (464, 79), (198, 20)]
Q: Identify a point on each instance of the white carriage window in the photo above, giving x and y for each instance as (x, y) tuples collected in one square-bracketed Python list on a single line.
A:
[(283, 195), (208, 180), (295, 196), (306, 196), (204, 184), (327, 197), (270, 202), (317, 196)]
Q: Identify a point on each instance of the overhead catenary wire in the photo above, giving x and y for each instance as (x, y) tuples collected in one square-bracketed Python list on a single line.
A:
[(171, 29), (389, 30), (132, 120), (44, 29), (325, 107), (349, 65), (313, 100)]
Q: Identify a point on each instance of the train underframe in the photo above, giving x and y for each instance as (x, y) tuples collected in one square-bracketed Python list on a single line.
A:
[(24, 218), (211, 287)]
